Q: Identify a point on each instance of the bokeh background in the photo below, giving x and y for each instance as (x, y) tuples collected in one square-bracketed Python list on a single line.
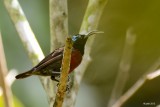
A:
[(119, 15)]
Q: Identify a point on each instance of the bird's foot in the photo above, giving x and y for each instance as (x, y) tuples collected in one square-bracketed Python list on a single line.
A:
[(67, 87), (54, 79), (68, 83)]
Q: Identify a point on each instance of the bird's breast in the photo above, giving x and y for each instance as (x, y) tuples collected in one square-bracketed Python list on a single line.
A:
[(76, 58)]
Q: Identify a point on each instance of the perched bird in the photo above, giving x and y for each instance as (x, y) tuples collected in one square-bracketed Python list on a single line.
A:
[(51, 64)]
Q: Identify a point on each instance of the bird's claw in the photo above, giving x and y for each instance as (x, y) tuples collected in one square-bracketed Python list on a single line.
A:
[(68, 86)]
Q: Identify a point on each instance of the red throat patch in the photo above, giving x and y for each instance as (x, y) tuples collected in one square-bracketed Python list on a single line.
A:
[(76, 58)]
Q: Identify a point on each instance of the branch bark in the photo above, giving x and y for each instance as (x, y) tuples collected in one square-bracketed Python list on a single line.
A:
[(58, 22), (64, 73), (58, 32)]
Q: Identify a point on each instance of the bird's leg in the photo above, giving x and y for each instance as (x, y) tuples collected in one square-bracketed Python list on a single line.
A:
[(55, 73), (54, 79)]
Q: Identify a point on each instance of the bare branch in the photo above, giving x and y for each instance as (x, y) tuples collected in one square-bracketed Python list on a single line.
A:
[(58, 22), (24, 30), (3, 72), (90, 22), (64, 74), (58, 31), (10, 78), (28, 38), (124, 66), (153, 75), (138, 84)]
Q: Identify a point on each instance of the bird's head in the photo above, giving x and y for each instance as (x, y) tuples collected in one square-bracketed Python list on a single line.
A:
[(79, 40)]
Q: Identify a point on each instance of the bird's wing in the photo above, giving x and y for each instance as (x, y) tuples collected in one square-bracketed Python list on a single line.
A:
[(55, 56)]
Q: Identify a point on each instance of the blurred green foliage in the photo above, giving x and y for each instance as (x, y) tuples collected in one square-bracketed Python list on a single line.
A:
[(16, 102), (142, 15)]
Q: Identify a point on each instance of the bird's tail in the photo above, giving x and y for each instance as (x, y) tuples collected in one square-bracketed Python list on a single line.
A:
[(24, 75)]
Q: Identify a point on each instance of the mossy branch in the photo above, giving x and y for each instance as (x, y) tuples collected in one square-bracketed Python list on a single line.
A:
[(64, 73)]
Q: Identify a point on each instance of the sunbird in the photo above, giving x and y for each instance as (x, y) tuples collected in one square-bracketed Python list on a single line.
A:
[(51, 64)]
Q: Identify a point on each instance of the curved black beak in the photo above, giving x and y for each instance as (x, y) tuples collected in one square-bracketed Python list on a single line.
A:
[(92, 33)]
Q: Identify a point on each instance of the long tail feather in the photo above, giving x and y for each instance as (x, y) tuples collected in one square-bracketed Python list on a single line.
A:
[(24, 75)]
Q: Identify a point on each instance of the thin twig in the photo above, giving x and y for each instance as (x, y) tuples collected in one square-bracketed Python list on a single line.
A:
[(124, 67), (153, 75), (90, 22), (138, 84), (64, 74), (3, 72)]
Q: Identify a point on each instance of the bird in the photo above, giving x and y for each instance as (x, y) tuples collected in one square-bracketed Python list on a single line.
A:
[(51, 64)]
